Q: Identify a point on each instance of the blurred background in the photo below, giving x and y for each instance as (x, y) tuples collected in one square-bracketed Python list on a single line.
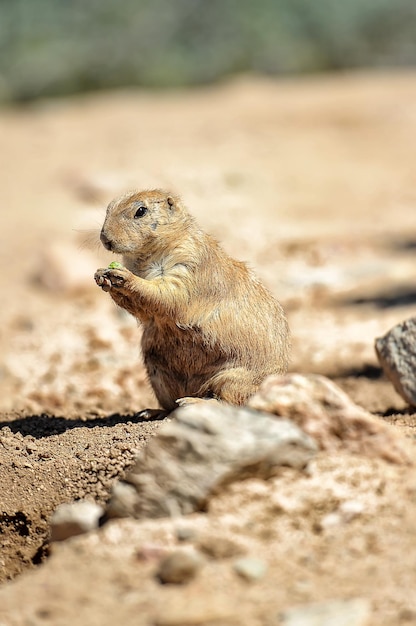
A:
[(56, 47)]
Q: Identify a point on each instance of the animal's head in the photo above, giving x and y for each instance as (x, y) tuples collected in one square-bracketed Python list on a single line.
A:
[(138, 222)]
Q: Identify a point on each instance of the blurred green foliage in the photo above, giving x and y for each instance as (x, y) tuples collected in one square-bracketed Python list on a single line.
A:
[(56, 47)]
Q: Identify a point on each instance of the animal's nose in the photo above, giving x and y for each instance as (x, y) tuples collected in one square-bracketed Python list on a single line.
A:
[(107, 243)]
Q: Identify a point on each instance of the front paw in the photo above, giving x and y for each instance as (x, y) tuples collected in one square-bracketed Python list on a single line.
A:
[(108, 278)]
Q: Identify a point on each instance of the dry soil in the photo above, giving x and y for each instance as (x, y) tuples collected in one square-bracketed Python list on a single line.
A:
[(311, 181)]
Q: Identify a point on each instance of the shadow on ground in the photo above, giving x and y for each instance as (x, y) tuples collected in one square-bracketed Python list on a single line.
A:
[(41, 426), (399, 297)]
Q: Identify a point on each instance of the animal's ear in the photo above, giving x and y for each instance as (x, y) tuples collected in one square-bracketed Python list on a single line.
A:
[(174, 203)]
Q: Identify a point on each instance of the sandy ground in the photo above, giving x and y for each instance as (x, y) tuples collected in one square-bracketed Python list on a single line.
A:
[(312, 182)]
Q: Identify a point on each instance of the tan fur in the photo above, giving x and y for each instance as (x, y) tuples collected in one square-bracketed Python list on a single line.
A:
[(210, 328)]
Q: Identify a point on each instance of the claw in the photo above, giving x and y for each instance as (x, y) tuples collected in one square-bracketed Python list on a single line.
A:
[(106, 285), (107, 279)]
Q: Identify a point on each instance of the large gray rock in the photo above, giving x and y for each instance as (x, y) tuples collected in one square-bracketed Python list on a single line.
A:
[(203, 447), (396, 351), (328, 415)]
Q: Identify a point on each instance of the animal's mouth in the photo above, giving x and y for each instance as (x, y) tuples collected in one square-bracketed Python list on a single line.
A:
[(107, 243), (112, 246), (116, 247)]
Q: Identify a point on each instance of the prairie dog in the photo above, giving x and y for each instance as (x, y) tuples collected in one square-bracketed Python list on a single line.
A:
[(210, 328)]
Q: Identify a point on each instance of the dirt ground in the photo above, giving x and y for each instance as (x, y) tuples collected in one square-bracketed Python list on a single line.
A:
[(313, 183)]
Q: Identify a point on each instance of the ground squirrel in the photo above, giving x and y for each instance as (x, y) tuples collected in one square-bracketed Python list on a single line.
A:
[(210, 328)]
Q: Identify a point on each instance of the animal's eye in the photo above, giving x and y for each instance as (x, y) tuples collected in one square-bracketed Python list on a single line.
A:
[(142, 210)]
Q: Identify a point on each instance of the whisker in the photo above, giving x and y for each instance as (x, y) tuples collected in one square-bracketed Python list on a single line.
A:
[(90, 238)]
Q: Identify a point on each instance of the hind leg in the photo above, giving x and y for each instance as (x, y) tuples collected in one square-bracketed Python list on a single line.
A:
[(234, 386), (187, 400)]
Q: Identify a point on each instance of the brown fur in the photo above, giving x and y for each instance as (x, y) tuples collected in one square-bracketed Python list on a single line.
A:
[(210, 328)]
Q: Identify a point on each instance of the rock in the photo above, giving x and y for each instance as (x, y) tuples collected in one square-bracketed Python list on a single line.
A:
[(355, 612), (351, 509), (346, 512), (396, 351), (329, 416), (149, 552), (217, 547), (74, 519), (204, 447), (185, 533), (123, 500), (180, 566), (250, 569)]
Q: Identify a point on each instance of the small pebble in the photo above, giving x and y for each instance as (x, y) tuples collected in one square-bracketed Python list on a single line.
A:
[(185, 533), (351, 509), (180, 566), (74, 519), (250, 568), (331, 520), (217, 547)]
